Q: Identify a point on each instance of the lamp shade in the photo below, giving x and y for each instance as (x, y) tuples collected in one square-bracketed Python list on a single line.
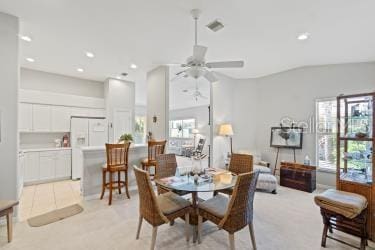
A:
[(194, 131), (226, 129)]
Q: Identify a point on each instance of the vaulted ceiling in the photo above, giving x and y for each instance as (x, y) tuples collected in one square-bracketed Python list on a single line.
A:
[(150, 32)]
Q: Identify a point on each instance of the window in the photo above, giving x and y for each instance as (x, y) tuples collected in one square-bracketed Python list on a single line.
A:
[(326, 126), (181, 128), (140, 130)]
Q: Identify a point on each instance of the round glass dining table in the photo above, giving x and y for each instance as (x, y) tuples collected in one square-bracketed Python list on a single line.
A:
[(219, 181)]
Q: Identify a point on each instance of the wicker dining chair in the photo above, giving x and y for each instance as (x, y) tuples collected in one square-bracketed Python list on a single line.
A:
[(167, 166), (161, 209), (239, 164), (234, 214), (117, 162), (155, 148)]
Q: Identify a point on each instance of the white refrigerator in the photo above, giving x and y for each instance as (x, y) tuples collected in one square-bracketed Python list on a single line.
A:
[(85, 132)]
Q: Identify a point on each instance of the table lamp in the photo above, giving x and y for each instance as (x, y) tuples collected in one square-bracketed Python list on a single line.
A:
[(227, 130)]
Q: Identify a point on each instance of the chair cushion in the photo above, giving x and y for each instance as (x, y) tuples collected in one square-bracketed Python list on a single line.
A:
[(261, 169), (216, 205), (171, 202), (4, 204), (117, 168)]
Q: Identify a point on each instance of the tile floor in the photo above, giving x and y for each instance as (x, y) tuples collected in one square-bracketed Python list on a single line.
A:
[(42, 198)]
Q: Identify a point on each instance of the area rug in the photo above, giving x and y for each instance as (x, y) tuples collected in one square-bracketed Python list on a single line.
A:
[(56, 215)]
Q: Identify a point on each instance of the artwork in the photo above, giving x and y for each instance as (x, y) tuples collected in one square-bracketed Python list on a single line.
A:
[(286, 137)]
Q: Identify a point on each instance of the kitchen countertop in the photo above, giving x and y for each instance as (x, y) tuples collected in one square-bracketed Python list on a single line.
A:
[(25, 150), (102, 148)]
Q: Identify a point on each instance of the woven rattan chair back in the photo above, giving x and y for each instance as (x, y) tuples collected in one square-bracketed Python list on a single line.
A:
[(155, 148), (241, 163), (117, 155), (240, 209), (148, 206), (166, 164)]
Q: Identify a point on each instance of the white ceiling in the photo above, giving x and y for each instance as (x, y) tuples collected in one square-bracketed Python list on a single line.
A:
[(147, 32)]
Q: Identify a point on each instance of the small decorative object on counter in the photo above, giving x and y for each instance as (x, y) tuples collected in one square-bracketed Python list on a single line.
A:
[(57, 143), (65, 141)]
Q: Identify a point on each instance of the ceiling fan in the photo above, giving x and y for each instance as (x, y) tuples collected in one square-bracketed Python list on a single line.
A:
[(195, 93), (196, 65)]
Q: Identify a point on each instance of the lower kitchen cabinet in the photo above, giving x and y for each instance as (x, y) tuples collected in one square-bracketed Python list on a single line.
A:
[(46, 166)]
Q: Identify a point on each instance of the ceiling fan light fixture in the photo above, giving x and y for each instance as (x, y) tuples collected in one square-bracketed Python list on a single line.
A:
[(215, 25)]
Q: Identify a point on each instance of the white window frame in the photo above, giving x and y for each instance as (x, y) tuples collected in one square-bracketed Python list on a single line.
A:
[(317, 101)]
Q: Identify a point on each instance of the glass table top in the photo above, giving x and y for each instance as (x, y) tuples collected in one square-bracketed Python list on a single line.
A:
[(218, 182)]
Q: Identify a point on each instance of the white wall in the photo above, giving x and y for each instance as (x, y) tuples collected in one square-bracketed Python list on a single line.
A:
[(9, 83), (119, 95), (157, 101), (245, 110), (222, 93), (293, 94), (49, 82)]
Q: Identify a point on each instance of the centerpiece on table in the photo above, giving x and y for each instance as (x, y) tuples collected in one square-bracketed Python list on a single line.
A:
[(125, 138)]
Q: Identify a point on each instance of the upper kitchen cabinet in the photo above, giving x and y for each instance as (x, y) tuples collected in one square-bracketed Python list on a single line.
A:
[(25, 117), (60, 119), (80, 111), (41, 118)]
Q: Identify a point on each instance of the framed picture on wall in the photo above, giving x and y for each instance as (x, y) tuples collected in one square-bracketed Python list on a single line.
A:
[(286, 137)]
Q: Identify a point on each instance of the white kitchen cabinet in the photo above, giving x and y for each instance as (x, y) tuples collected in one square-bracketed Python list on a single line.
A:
[(97, 112), (60, 119), (47, 165), (41, 118), (31, 169), (25, 117), (80, 111), (63, 164)]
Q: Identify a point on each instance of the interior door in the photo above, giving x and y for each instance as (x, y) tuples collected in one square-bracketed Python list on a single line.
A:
[(122, 123)]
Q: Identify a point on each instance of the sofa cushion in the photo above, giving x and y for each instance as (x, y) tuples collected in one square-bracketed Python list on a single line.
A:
[(261, 169)]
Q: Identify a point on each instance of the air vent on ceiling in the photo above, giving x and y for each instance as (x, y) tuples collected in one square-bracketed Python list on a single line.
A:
[(215, 25)]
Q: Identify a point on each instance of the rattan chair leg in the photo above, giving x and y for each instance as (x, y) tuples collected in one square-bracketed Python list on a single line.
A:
[(231, 242), (119, 182), (154, 234), (252, 235), (200, 219), (139, 226), (9, 217), (103, 184), (187, 226), (126, 184), (110, 189)]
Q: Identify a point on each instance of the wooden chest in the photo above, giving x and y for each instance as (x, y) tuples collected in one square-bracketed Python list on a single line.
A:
[(298, 176)]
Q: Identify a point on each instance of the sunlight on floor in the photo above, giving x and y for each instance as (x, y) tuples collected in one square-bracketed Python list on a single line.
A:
[(42, 198)]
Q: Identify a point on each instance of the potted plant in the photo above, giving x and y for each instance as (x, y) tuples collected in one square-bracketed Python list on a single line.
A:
[(125, 138)]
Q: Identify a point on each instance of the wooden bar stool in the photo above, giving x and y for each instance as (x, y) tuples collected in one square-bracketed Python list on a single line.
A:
[(117, 162), (6, 209), (155, 148)]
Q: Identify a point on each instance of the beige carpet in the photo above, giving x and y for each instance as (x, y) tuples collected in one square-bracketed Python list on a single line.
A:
[(55, 215), (288, 220)]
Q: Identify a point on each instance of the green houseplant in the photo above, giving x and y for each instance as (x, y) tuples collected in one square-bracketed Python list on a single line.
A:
[(126, 138)]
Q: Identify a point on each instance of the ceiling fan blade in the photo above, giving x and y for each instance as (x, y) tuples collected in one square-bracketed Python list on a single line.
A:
[(228, 64), (210, 76), (179, 73), (199, 52)]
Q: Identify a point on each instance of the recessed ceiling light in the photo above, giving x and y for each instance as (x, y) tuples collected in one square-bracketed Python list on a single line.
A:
[(89, 54), (26, 38), (133, 66), (303, 36), (79, 69), (29, 59)]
